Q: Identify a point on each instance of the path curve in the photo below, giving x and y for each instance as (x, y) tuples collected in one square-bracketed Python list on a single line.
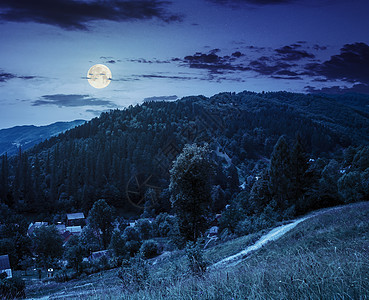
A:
[(272, 235)]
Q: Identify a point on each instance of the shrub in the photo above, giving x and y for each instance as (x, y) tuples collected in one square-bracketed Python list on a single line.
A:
[(149, 249), (133, 247), (163, 223), (144, 228), (134, 274), (11, 288), (195, 259)]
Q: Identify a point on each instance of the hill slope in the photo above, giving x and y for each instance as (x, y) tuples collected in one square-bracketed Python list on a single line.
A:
[(28, 136), (101, 158), (324, 257)]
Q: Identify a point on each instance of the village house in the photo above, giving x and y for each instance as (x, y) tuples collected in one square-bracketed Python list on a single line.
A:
[(70, 231), (33, 226), (5, 266), (75, 219)]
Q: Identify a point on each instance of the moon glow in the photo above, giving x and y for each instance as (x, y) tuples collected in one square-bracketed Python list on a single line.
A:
[(99, 76)]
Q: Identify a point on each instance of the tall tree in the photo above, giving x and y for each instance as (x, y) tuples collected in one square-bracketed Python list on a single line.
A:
[(299, 165), (101, 219), (47, 244), (190, 186), (279, 173)]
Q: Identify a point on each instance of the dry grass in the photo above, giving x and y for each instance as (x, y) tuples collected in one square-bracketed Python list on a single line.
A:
[(326, 257)]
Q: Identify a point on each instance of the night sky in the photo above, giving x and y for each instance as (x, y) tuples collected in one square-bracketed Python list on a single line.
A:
[(170, 49)]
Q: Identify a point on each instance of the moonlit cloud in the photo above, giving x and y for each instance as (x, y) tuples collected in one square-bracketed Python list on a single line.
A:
[(62, 100), (160, 98)]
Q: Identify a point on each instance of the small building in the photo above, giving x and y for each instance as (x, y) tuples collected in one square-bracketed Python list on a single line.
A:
[(99, 254), (75, 219), (60, 228), (5, 266), (33, 226), (74, 230)]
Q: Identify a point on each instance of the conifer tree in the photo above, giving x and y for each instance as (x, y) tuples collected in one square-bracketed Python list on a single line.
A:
[(280, 173)]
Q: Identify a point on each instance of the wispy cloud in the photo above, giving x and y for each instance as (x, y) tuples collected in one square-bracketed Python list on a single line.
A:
[(73, 100), (160, 98), (4, 76), (357, 88), (76, 15), (252, 2)]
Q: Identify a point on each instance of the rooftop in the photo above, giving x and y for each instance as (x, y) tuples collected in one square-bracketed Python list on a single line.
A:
[(75, 216), (4, 262)]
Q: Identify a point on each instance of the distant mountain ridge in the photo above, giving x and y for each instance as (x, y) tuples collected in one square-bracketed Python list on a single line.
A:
[(29, 135)]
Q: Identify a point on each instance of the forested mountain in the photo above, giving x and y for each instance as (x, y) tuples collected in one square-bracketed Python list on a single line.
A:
[(110, 156), (11, 139)]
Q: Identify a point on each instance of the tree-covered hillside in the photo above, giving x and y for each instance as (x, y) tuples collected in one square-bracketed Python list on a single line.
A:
[(124, 156)]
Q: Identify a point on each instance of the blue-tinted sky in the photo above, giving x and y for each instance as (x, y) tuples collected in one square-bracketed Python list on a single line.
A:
[(168, 49)]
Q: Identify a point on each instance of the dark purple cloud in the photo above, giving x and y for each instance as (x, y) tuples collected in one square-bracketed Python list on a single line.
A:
[(73, 14), (290, 53), (213, 62), (267, 66), (4, 76), (161, 98), (73, 100), (357, 88), (149, 61), (254, 2), (351, 65)]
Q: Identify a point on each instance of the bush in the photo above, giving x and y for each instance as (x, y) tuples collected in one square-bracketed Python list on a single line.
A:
[(144, 228), (133, 247), (134, 274), (149, 249), (11, 288), (163, 223), (196, 261)]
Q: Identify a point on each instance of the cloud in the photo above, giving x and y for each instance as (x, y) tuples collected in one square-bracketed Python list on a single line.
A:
[(159, 76), (351, 65), (72, 100), (267, 66), (357, 88), (95, 112), (290, 53), (252, 2), (318, 47), (76, 14), (149, 61), (4, 76), (160, 98), (213, 62)]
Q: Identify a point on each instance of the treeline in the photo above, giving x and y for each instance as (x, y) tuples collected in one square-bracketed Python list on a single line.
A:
[(292, 185), (101, 158)]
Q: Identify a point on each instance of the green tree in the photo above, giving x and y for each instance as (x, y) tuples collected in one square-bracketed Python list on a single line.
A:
[(350, 187), (74, 253), (299, 165), (280, 173), (190, 186), (100, 218), (47, 244)]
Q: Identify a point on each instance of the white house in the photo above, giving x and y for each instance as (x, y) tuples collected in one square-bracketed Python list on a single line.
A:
[(5, 265)]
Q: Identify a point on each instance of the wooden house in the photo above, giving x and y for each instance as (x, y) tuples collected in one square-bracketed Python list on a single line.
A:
[(75, 219)]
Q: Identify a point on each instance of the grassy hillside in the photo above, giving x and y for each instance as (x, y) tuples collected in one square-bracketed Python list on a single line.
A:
[(325, 257)]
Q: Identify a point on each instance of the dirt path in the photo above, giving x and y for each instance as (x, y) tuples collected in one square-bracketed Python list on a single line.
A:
[(272, 235)]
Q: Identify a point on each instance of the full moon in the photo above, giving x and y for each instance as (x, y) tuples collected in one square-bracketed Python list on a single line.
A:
[(99, 76)]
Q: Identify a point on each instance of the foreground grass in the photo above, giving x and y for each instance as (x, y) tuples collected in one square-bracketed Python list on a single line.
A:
[(325, 257)]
